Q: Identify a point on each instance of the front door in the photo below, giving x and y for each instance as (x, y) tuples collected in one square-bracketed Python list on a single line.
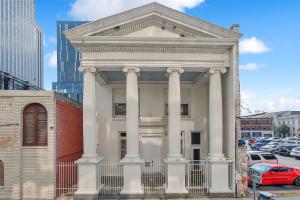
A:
[(151, 150)]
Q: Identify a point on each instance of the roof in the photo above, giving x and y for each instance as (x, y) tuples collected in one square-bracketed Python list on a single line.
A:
[(160, 12)]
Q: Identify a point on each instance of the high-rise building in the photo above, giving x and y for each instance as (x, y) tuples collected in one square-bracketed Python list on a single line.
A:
[(69, 79), (21, 41)]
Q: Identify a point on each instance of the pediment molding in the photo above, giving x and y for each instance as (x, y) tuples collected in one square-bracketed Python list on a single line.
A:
[(147, 10), (153, 20)]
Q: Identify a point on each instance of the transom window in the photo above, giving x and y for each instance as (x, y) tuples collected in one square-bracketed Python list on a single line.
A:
[(35, 125), (196, 138)]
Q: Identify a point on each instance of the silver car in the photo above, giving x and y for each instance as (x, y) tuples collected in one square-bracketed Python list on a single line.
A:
[(296, 152)]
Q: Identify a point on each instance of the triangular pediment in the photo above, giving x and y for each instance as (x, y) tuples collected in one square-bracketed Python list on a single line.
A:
[(152, 20)]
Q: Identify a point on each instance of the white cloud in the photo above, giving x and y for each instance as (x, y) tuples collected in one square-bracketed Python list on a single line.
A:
[(51, 59), (52, 39), (251, 103), (253, 46), (251, 67), (96, 9)]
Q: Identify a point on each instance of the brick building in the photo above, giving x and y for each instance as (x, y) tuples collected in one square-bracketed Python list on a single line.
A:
[(252, 127), (38, 129)]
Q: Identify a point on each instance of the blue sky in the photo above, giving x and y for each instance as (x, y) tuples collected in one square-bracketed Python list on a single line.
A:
[(270, 54)]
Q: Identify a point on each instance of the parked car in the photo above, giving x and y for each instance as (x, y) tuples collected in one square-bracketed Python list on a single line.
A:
[(251, 141), (257, 146), (259, 156), (296, 152), (293, 142), (275, 139), (268, 147), (286, 150), (241, 143), (275, 174)]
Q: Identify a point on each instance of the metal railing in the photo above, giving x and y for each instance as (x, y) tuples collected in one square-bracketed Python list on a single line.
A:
[(110, 178), (197, 177), (154, 178), (66, 178)]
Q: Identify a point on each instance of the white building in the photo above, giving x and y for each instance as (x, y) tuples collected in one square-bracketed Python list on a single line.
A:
[(159, 87)]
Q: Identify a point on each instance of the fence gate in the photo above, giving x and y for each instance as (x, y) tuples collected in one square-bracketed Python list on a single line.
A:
[(154, 177), (66, 178), (197, 177), (111, 178)]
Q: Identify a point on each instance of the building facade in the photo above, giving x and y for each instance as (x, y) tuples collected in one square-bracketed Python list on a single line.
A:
[(256, 127), (69, 78), (21, 41), (38, 130), (159, 87)]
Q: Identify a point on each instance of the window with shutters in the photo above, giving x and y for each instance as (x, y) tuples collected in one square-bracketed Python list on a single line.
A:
[(1, 173), (35, 125)]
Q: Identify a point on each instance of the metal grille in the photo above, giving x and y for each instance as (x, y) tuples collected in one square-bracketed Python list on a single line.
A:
[(66, 177), (154, 177), (111, 178), (197, 177)]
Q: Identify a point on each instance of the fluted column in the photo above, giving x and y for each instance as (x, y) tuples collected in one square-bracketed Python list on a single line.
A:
[(174, 116), (176, 162), (132, 163), (132, 111), (89, 112), (88, 173), (215, 114)]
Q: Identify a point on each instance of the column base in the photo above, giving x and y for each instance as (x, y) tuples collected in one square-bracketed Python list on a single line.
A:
[(88, 176), (219, 187), (176, 176), (132, 170)]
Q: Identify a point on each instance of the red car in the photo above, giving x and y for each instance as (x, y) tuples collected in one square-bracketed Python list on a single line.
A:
[(251, 141), (275, 174)]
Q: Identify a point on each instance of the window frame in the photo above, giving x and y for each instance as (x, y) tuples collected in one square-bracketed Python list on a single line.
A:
[(2, 179), (36, 136)]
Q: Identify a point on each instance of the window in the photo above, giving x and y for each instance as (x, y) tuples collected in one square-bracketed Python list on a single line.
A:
[(255, 157), (119, 109), (35, 125), (196, 138), (184, 110), (1, 173), (182, 142), (269, 157), (123, 144)]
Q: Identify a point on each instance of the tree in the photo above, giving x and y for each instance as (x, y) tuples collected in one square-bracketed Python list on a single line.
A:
[(281, 130)]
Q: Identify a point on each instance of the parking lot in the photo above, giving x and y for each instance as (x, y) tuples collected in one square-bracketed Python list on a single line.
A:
[(290, 161)]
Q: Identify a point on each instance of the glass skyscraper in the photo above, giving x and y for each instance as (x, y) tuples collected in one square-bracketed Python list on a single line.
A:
[(21, 41), (69, 79)]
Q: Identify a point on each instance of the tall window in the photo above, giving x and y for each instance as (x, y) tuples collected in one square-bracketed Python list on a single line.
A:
[(35, 125), (123, 144), (1, 173)]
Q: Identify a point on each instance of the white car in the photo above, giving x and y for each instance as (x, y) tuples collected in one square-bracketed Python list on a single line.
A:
[(296, 152), (268, 147), (275, 139), (260, 156)]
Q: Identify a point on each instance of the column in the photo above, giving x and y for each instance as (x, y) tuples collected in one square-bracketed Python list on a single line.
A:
[(132, 162), (88, 175), (219, 165), (176, 163), (215, 115)]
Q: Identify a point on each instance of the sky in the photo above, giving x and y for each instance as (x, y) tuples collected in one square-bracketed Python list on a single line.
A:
[(269, 48)]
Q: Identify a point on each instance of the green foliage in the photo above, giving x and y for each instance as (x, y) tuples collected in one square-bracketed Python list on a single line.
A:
[(281, 130)]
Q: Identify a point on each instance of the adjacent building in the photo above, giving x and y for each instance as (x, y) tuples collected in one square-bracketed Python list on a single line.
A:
[(40, 132), (254, 127), (21, 41), (161, 94), (69, 78)]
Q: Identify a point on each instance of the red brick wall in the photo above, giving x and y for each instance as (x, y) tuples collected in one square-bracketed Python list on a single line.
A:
[(69, 141)]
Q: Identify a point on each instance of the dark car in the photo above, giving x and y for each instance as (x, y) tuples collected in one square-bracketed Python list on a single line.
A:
[(286, 150), (241, 142), (256, 146)]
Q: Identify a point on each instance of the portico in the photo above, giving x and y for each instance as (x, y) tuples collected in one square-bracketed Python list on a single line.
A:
[(175, 76)]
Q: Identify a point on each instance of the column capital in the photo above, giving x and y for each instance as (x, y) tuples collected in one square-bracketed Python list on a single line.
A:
[(135, 69), (175, 69), (222, 70), (87, 69)]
